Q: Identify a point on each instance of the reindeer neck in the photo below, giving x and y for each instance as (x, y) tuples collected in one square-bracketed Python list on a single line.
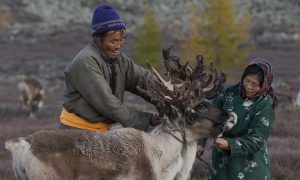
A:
[(170, 141), (174, 152)]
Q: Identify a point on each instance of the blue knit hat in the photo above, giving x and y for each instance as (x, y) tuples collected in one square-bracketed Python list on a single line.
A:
[(105, 18)]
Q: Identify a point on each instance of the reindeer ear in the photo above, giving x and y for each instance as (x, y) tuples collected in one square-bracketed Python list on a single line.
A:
[(231, 122)]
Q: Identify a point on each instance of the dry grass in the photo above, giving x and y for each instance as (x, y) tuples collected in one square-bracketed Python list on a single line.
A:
[(284, 145)]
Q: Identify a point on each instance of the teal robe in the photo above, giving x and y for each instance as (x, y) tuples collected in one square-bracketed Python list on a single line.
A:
[(248, 157)]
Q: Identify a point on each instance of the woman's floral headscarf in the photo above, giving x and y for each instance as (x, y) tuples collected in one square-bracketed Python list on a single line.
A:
[(266, 87)]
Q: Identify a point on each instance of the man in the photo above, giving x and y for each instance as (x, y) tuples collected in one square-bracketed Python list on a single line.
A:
[(98, 76)]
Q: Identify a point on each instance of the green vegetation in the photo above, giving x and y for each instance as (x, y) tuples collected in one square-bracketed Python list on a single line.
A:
[(217, 32), (148, 41), (6, 17)]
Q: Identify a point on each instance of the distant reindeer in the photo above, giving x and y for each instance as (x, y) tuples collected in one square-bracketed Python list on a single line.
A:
[(32, 94), (165, 153)]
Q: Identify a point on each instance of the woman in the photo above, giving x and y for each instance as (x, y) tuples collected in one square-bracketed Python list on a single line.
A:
[(242, 152), (96, 79)]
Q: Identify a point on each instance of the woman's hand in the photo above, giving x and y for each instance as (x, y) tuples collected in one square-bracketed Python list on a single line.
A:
[(222, 143)]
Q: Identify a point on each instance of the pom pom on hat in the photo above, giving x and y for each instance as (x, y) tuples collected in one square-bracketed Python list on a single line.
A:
[(105, 19)]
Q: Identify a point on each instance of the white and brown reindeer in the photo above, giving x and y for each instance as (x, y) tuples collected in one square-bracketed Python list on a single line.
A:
[(31, 94), (165, 153)]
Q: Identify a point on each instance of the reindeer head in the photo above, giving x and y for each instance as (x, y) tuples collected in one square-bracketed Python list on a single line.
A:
[(183, 101)]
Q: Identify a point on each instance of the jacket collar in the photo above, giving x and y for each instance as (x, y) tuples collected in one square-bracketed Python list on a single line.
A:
[(101, 52)]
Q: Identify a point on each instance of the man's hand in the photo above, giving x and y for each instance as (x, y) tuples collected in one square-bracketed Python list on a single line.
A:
[(155, 120), (222, 143)]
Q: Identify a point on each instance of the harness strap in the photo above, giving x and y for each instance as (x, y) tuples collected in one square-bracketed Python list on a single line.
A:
[(71, 119), (200, 153), (177, 138)]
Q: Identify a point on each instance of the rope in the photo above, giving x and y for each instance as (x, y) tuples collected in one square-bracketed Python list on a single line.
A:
[(200, 153)]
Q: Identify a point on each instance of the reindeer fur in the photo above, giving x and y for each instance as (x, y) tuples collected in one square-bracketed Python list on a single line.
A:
[(118, 154)]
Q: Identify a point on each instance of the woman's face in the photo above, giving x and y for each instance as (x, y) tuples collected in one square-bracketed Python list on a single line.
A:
[(112, 43), (251, 84)]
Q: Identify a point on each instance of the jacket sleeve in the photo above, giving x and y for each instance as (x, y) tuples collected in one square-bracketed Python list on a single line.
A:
[(258, 132), (136, 76), (90, 82)]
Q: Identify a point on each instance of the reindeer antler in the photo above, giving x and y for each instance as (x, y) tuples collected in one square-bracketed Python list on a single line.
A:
[(216, 82), (186, 87), (175, 70)]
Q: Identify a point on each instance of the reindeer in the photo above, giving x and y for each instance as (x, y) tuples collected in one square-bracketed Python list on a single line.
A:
[(165, 153), (32, 94)]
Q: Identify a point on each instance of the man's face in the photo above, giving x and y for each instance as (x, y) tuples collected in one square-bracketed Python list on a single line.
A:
[(112, 43)]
